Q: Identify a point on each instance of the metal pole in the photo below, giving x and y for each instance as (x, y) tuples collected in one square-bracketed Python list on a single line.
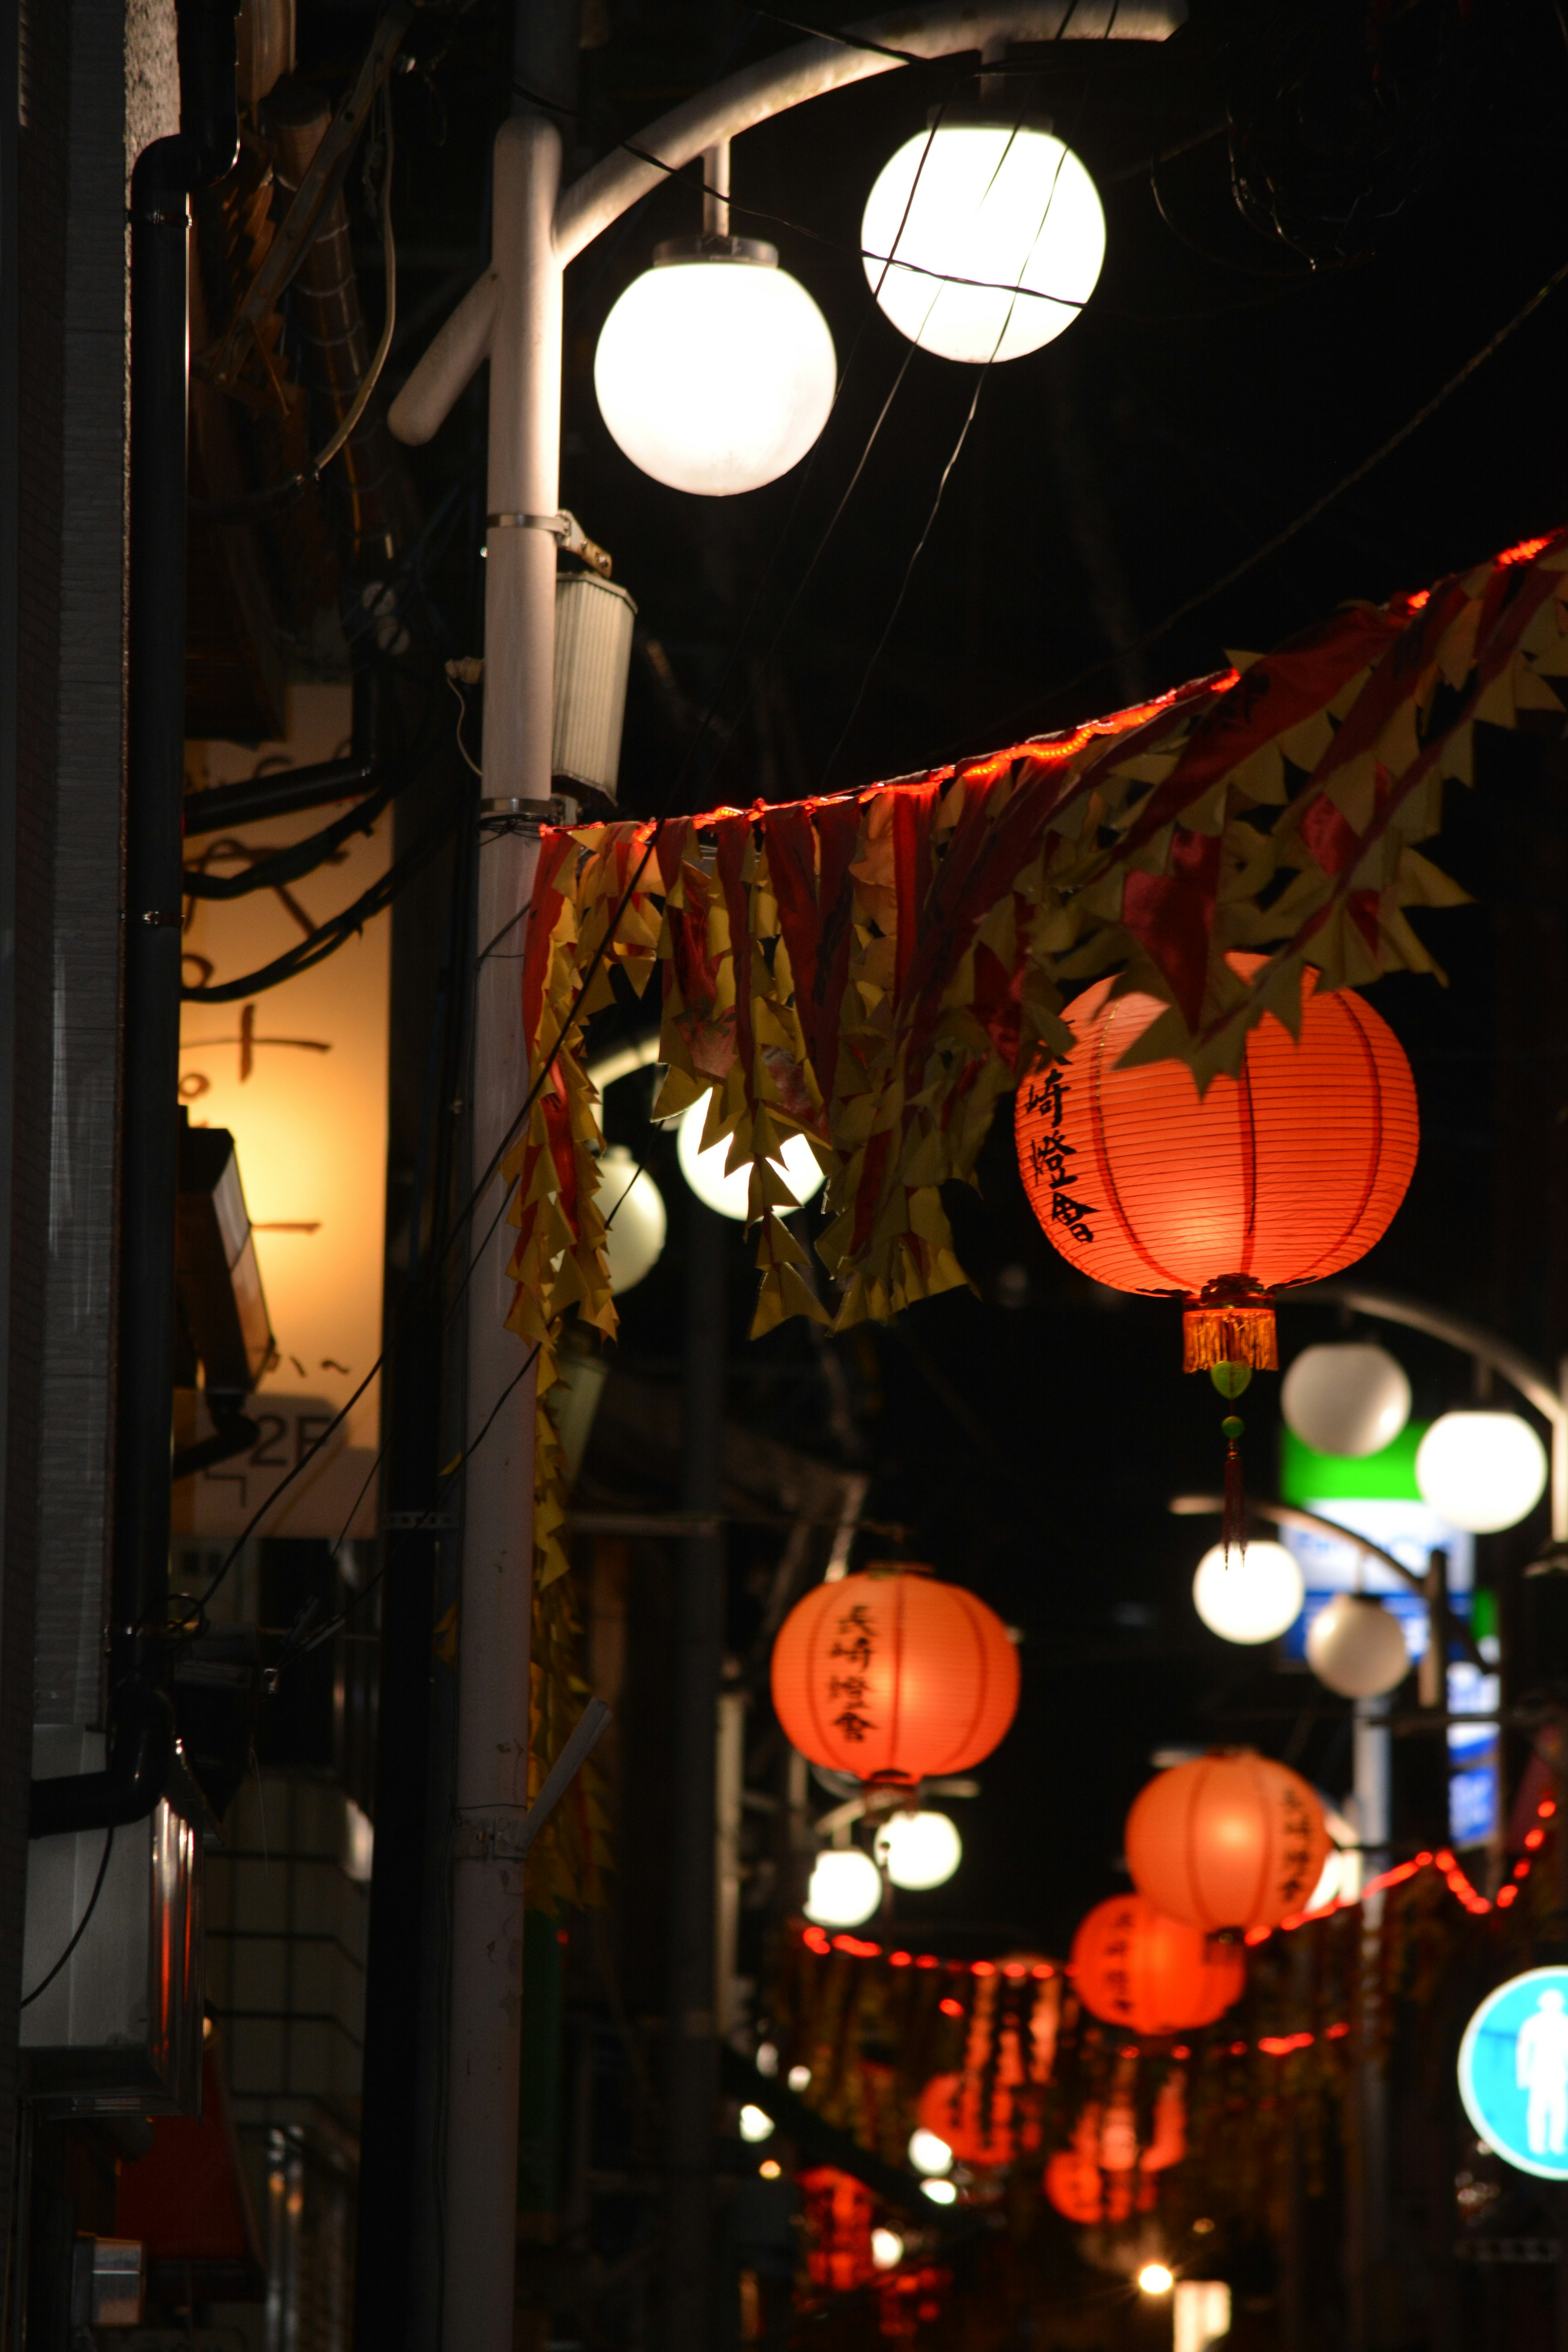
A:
[(1368, 2228), (497, 1583), (691, 2067)]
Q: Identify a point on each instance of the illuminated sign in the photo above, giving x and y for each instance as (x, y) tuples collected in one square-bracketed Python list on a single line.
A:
[(297, 1074), (1513, 2072)]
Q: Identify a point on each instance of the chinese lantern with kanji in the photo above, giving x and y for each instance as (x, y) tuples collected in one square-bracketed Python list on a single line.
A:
[(1229, 1840), (1134, 1967), (1282, 1174), (892, 1676), (838, 2211)]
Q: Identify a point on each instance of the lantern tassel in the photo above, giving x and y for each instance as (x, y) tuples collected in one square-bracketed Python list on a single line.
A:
[(1230, 1322), (1232, 1534)]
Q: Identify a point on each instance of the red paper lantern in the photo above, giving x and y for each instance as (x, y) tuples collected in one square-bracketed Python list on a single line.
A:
[(894, 1676), (1231, 1840), (1282, 1174), (1082, 2193), (1104, 2176), (1134, 1967), (838, 2210)]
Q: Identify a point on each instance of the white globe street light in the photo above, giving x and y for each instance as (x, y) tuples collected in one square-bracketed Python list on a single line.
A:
[(730, 1193), (928, 2153), (886, 2250), (919, 1850), (1482, 1471), (1003, 207), (1252, 1598), (715, 370), (629, 1198), (1356, 1647), (845, 1887), (756, 2124), (1351, 1399)]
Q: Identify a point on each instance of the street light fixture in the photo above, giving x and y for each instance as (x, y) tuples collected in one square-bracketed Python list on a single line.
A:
[(1483, 1471), (715, 370), (1346, 1397), (919, 1850), (845, 1887), (727, 1192), (983, 237), (1248, 1596)]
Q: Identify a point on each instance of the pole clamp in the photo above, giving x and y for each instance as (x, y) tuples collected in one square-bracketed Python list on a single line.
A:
[(491, 1834), (563, 527), (511, 815)]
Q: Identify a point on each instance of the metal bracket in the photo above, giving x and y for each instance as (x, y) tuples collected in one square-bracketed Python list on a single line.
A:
[(563, 527), (496, 816)]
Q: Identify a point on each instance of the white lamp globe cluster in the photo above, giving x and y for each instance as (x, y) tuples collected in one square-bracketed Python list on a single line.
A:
[(982, 239)]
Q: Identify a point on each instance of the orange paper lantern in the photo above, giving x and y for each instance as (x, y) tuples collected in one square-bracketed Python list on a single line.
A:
[(1231, 1840), (1282, 1174), (894, 1676), (1104, 2176), (1134, 1967), (1082, 2193)]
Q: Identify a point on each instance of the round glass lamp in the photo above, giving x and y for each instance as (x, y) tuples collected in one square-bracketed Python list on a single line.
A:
[(1348, 1398), (919, 1850), (845, 1887), (928, 2153), (715, 370), (983, 238), (756, 2124), (730, 1193), (1482, 1471), (631, 1201), (1252, 1599), (886, 2250), (1156, 2278)]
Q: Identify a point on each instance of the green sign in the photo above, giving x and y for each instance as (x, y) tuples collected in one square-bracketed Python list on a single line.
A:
[(1307, 1477)]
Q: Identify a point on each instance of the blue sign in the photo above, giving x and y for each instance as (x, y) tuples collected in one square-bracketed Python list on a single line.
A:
[(1513, 2072)]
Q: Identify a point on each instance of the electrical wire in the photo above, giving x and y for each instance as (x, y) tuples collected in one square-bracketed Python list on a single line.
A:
[(302, 958), (339, 929), (952, 460), (1309, 514), (45, 1982), (466, 756)]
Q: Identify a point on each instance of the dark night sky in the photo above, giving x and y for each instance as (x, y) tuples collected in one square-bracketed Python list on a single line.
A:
[(1215, 387)]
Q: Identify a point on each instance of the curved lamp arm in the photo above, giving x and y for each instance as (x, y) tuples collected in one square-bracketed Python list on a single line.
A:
[(755, 95)]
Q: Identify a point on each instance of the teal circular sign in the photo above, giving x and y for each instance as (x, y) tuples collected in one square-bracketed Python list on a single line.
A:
[(1513, 2072)]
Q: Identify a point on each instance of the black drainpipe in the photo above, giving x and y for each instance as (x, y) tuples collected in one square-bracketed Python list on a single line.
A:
[(141, 1721)]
